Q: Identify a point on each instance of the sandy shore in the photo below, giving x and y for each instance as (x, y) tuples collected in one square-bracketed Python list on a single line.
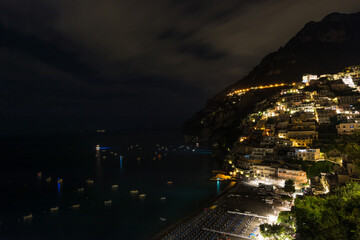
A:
[(206, 204), (239, 197)]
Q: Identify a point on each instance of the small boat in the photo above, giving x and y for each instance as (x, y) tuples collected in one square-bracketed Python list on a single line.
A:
[(134, 192), (169, 182), (75, 206), (54, 209), (107, 203), (115, 186), (60, 180), (48, 179), (143, 195), (89, 181), (163, 198), (28, 217), (80, 189), (162, 219)]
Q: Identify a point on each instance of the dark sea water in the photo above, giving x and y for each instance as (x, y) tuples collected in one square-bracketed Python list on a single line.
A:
[(147, 168)]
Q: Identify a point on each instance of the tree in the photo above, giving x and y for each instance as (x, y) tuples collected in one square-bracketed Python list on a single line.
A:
[(335, 216), (286, 217), (289, 186), (317, 168), (275, 231), (352, 149), (333, 152)]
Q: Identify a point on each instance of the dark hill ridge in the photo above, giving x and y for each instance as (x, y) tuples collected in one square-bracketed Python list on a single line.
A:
[(321, 47)]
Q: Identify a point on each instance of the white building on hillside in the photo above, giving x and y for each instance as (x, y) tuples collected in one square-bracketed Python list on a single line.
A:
[(306, 154), (308, 77)]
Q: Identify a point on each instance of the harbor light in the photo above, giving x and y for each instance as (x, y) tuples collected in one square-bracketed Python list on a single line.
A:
[(272, 218)]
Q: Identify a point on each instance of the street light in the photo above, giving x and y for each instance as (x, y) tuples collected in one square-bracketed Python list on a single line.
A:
[(272, 219)]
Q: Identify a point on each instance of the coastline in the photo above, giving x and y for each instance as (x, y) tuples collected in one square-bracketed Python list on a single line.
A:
[(206, 203)]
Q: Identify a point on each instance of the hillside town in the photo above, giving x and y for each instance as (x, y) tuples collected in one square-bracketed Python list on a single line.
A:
[(292, 137), (299, 146)]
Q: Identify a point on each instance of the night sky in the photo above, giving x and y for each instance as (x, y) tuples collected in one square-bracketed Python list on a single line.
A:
[(70, 65)]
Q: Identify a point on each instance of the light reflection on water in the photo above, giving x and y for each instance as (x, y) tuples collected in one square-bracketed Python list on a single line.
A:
[(218, 187), (59, 190), (121, 164)]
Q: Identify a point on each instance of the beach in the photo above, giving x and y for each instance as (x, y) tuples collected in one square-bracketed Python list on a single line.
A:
[(235, 214), (188, 217)]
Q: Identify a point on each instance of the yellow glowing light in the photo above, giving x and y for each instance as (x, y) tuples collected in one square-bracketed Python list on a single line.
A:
[(272, 219)]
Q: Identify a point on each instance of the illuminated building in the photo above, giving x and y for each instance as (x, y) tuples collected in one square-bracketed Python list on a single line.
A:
[(284, 143), (263, 171), (302, 138), (222, 177), (261, 152), (347, 128), (301, 141), (308, 77), (298, 176), (282, 133), (348, 81), (305, 154)]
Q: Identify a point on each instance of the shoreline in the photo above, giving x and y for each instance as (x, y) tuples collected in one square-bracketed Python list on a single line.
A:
[(207, 203)]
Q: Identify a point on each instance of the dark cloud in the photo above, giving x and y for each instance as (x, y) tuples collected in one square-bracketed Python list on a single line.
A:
[(172, 33), (121, 63), (202, 51)]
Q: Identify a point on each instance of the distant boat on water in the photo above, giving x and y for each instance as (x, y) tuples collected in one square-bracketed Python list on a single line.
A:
[(162, 219), (54, 209), (143, 195), (134, 192), (60, 180), (163, 198), (89, 181), (80, 189), (75, 206), (115, 186), (169, 183), (28, 217)]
